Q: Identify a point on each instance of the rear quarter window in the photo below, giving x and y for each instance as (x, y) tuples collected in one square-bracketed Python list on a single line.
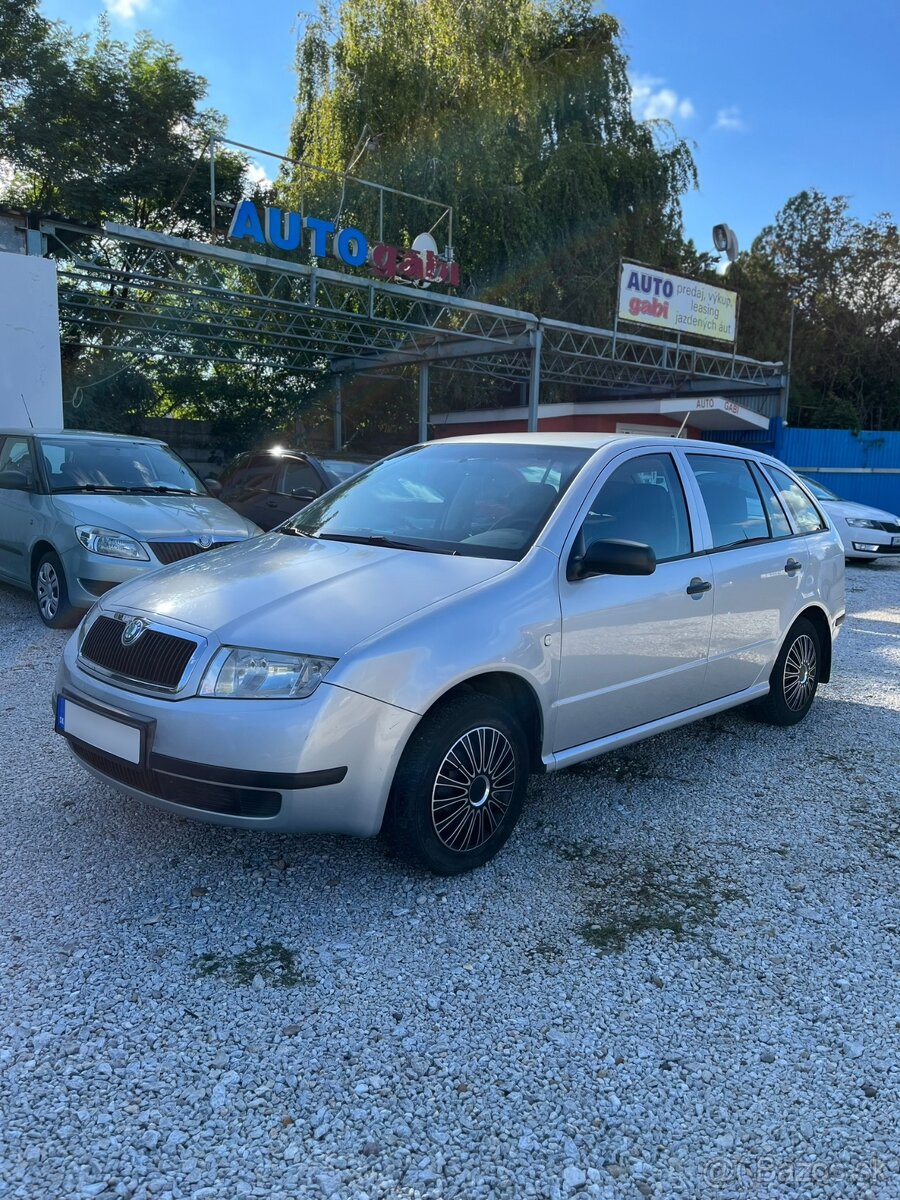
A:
[(806, 516)]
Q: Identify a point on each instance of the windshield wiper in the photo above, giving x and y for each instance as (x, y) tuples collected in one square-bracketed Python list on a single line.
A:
[(381, 539), (160, 490), (295, 532), (89, 487), (127, 491)]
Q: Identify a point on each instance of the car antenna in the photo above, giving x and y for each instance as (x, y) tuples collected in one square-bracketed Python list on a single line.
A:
[(27, 413)]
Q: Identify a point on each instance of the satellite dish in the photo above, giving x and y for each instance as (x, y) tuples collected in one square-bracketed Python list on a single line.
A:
[(422, 244)]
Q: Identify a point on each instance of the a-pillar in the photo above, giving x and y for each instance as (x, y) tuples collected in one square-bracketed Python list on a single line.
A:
[(423, 402)]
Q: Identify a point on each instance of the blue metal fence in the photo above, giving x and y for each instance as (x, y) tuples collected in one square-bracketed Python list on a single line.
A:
[(863, 467)]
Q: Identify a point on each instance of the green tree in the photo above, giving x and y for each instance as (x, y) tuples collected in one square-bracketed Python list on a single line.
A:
[(517, 113), (96, 129), (846, 277)]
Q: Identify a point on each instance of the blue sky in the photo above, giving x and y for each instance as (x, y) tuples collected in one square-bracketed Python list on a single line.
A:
[(778, 95)]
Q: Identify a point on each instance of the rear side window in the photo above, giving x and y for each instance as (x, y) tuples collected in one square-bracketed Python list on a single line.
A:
[(255, 475), (731, 498), (807, 517), (642, 501), (781, 526)]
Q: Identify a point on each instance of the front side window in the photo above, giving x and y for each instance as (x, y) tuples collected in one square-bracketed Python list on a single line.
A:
[(482, 499), (297, 475), (15, 455), (807, 517), (731, 498), (110, 465), (642, 501)]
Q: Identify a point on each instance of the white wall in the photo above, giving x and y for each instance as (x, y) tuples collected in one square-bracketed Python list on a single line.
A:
[(29, 343)]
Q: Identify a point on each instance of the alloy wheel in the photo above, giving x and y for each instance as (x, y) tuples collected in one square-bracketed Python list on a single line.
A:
[(473, 789), (800, 673)]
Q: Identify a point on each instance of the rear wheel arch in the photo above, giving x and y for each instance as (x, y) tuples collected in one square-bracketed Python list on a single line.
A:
[(819, 621)]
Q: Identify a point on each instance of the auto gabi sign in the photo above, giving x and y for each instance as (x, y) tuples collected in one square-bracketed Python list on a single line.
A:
[(650, 297), (351, 247)]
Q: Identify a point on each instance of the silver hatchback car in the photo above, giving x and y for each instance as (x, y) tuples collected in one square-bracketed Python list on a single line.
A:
[(82, 512), (401, 654)]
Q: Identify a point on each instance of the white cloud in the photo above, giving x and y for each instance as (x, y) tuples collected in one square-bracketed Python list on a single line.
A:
[(650, 101), (127, 10), (730, 120), (257, 175)]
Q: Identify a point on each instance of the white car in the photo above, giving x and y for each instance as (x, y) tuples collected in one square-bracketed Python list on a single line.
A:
[(867, 533)]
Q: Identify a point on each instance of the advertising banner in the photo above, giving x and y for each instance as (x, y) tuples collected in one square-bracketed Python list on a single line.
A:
[(650, 297)]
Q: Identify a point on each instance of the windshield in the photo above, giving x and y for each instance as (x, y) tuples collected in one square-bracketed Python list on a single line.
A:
[(818, 490), (342, 468), (487, 499), (110, 465)]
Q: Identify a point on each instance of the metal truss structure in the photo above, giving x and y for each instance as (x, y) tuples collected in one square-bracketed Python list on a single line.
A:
[(147, 294)]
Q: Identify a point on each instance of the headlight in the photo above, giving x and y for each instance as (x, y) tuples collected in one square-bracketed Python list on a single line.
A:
[(107, 541), (263, 675), (862, 523)]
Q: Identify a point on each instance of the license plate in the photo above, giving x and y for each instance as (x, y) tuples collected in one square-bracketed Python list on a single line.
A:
[(99, 730)]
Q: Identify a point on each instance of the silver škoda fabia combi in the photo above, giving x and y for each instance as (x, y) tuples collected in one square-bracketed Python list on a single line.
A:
[(402, 653)]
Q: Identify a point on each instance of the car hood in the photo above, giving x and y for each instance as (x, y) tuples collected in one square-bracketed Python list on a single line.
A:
[(281, 592), (849, 508), (149, 517)]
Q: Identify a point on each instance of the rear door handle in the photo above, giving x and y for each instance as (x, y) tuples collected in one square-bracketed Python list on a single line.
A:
[(698, 585), (271, 504), (792, 565)]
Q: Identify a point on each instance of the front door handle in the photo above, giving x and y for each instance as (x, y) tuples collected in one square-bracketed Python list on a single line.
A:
[(698, 585), (271, 504), (792, 565)]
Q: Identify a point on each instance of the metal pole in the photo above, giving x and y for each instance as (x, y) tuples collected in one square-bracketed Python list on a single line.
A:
[(423, 402), (787, 381), (212, 188), (534, 383), (339, 416)]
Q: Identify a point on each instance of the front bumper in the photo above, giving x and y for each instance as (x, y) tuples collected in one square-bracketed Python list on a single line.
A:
[(89, 576), (320, 765), (873, 547)]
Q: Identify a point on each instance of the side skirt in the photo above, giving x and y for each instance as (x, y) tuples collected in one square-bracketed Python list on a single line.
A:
[(577, 754)]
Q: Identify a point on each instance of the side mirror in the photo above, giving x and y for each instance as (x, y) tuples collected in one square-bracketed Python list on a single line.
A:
[(305, 494), (14, 481), (615, 557), (213, 486)]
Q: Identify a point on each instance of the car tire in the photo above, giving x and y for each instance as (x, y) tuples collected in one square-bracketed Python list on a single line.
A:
[(795, 677), (459, 786), (52, 593)]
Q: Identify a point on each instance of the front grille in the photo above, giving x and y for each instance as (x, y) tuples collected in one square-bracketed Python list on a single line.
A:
[(889, 528), (169, 552), (156, 658), (211, 797)]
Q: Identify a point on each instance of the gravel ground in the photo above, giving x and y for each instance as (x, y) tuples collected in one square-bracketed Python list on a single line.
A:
[(680, 979)]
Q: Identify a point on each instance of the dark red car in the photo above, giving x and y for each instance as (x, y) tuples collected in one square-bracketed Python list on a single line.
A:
[(268, 486)]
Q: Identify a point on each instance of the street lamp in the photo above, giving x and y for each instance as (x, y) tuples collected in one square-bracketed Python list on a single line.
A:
[(793, 296)]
